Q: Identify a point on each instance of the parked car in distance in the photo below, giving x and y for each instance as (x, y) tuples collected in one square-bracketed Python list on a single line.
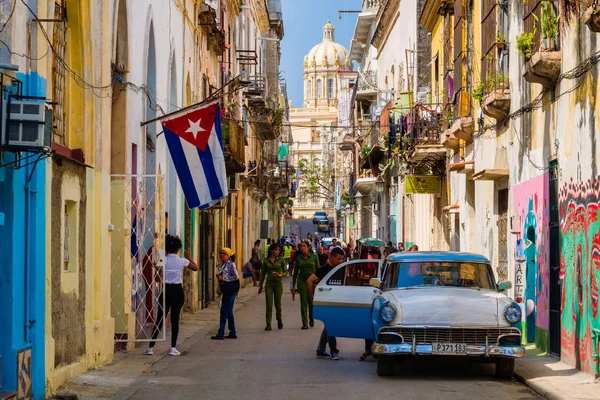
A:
[(323, 225), (424, 303), (319, 215)]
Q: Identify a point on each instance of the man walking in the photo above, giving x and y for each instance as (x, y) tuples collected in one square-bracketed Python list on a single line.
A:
[(305, 265), (267, 248), (336, 257), (287, 254)]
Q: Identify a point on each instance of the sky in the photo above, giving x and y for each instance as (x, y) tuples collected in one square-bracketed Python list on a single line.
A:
[(303, 22)]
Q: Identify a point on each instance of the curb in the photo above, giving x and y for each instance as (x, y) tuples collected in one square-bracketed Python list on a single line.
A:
[(540, 389)]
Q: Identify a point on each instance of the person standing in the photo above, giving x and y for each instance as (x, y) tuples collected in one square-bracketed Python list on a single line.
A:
[(256, 254), (305, 265), (323, 257), (400, 246), (336, 257), (173, 295), (287, 253), (229, 281), (272, 271), (389, 249)]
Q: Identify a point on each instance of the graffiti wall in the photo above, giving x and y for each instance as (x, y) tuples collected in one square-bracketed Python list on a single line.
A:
[(579, 269), (532, 274)]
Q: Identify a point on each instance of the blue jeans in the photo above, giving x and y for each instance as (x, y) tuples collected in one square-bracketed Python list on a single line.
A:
[(229, 293)]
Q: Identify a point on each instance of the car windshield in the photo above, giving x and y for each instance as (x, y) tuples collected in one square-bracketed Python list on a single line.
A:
[(424, 274), (323, 222)]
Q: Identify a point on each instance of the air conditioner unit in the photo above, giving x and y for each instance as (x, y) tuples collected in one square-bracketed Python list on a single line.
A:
[(23, 126)]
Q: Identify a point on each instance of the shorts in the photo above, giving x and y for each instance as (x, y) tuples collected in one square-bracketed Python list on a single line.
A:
[(247, 274)]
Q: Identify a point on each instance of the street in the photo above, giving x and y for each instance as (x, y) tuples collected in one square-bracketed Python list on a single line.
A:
[(282, 364)]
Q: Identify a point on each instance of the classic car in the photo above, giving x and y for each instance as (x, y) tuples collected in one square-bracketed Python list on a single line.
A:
[(423, 303), (319, 215)]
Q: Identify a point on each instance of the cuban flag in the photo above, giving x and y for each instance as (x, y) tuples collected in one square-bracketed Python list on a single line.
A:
[(196, 146)]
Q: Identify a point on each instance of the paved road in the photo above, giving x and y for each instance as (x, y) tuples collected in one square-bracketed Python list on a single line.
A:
[(281, 364)]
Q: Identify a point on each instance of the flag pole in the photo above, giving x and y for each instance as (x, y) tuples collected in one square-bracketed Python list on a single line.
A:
[(212, 97)]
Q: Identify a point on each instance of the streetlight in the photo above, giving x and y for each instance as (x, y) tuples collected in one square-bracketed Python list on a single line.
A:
[(380, 184)]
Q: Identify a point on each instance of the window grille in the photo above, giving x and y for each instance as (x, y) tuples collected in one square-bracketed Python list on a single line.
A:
[(330, 88), (319, 89), (67, 240), (59, 42)]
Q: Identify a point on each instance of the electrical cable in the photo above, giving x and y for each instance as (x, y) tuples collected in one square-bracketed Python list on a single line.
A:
[(10, 15)]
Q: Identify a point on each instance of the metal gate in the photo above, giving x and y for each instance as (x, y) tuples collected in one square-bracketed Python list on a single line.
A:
[(502, 234), (555, 288), (137, 256)]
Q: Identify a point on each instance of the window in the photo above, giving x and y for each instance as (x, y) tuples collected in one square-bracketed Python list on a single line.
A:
[(319, 89), (337, 279), (330, 88), (360, 274), (59, 42), (70, 237), (309, 93)]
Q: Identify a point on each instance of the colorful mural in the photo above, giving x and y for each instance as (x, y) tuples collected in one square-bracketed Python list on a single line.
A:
[(532, 272), (580, 270)]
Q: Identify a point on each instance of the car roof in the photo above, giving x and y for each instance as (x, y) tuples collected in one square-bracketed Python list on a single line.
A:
[(411, 256), (320, 212)]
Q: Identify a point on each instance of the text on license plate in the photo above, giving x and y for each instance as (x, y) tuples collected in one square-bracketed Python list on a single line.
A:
[(449, 348)]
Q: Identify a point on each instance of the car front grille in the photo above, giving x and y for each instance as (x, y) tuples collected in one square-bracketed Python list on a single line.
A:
[(467, 335)]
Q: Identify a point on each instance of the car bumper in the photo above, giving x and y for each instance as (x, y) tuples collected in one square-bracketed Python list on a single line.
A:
[(427, 349)]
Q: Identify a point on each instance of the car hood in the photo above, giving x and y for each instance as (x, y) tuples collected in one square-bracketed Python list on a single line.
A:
[(449, 306)]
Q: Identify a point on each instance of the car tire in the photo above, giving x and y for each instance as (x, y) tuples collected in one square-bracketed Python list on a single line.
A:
[(385, 365), (505, 368)]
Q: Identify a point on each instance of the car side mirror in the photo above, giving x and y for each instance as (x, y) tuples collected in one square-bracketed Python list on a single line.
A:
[(375, 282), (504, 285)]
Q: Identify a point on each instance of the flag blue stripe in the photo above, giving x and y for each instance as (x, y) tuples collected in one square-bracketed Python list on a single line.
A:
[(182, 168), (214, 186)]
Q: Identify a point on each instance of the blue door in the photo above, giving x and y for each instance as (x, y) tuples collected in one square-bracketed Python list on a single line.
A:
[(344, 297)]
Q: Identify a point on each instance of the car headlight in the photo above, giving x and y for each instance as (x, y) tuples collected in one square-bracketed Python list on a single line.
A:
[(387, 313), (512, 313)]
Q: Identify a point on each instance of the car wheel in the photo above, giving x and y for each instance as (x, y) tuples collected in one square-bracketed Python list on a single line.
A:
[(505, 368), (385, 365)]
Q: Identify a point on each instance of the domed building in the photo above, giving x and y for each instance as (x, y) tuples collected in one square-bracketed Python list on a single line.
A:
[(322, 65), (326, 77)]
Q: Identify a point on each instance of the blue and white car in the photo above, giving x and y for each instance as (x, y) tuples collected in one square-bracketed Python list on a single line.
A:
[(423, 303)]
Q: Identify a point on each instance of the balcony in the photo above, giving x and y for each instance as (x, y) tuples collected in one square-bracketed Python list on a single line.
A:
[(497, 104), (425, 136), (360, 39), (234, 146), (462, 129), (209, 21), (544, 65), (543, 68), (367, 85)]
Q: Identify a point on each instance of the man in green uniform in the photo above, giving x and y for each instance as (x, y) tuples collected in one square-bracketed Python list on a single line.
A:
[(305, 264)]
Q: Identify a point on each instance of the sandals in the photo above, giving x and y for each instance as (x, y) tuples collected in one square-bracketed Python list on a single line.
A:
[(365, 355)]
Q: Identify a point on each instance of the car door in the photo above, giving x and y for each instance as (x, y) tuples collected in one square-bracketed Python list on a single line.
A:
[(344, 297)]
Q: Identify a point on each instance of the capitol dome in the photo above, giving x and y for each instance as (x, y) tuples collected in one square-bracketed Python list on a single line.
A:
[(322, 67), (328, 53)]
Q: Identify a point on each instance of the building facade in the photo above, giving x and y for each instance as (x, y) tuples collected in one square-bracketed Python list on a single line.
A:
[(84, 210), (315, 130)]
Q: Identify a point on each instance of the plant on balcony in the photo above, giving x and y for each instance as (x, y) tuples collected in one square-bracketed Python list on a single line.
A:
[(525, 43), (494, 81), (500, 38), (549, 26), (364, 151), (478, 91)]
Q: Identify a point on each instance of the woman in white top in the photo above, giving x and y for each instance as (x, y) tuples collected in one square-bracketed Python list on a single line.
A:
[(173, 274)]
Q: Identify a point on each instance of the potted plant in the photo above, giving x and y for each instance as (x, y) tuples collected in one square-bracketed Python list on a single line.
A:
[(549, 26), (525, 43), (500, 40), (478, 91)]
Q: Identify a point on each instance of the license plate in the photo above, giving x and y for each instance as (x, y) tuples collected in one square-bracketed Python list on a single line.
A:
[(449, 348)]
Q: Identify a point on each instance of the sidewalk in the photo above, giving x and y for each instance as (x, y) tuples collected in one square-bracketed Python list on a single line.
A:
[(127, 367), (553, 379)]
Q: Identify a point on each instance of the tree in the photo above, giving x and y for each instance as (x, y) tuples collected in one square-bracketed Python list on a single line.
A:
[(316, 180)]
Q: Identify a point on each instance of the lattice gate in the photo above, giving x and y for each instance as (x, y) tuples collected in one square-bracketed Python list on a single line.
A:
[(138, 218)]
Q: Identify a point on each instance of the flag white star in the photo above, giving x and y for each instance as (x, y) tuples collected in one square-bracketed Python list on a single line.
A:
[(195, 128)]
